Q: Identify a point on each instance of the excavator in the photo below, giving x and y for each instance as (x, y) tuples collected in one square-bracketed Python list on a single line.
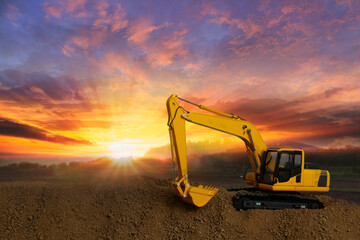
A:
[(278, 174)]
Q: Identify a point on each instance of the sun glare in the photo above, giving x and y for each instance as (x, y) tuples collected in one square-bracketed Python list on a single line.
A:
[(125, 151), (123, 161)]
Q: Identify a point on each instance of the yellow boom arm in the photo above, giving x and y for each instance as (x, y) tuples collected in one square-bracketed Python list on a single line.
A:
[(226, 123)]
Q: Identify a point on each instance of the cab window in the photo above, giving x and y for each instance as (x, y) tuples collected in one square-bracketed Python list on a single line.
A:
[(297, 163), (285, 166), (268, 176), (289, 165)]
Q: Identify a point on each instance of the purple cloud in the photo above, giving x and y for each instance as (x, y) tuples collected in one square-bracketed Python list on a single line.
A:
[(13, 129)]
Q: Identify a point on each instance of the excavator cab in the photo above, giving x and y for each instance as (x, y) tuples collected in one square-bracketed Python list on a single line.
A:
[(280, 166), (284, 170)]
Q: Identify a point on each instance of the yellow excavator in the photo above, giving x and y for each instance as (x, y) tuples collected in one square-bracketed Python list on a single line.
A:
[(278, 174)]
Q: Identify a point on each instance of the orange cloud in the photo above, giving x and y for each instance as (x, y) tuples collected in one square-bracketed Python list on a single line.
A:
[(77, 6), (114, 21), (101, 7), (288, 9), (193, 69), (13, 13), (220, 16), (139, 30), (73, 125), (74, 7), (68, 50), (131, 71), (169, 47), (84, 41), (52, 10), (224, 17)]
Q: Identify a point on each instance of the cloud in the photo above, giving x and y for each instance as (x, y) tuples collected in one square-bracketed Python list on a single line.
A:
[(103, 15), (13, 129), (289, 67), (345, 142), (125, 70), (248, 25), (85, 40), (74, 7), (295, 31), (278, 115), (52, 10), (114, 21), (220, 16), (139, 30), (73, 125), (105, 21), (168, 48), (39, 88), (101, 7), (193, 69), (13, 13), (352, 113)]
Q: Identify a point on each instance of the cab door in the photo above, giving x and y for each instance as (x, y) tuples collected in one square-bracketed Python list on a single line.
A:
[(289, 168)]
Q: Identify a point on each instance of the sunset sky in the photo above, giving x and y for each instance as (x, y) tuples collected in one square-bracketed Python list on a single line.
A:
[(81, 79)]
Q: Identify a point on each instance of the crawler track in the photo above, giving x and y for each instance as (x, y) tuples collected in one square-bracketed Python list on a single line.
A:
[(253, 198)]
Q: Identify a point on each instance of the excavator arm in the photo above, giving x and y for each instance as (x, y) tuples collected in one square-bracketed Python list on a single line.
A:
[(223, 122)]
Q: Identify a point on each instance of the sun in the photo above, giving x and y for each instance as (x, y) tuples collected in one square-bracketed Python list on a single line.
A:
[(125, 151), (121, 150)]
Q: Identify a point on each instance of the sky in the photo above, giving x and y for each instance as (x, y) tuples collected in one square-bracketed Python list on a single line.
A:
[(81, 79)]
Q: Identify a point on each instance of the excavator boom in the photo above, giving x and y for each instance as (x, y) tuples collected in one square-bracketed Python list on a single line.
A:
[(246, 131)]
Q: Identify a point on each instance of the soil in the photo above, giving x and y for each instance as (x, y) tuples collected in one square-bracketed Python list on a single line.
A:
[(136, 207)]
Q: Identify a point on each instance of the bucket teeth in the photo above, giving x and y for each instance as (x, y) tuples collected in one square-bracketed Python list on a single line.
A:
[(209, 188)]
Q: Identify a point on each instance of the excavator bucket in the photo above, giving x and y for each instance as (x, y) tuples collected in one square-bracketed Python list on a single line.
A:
[(199, 196)]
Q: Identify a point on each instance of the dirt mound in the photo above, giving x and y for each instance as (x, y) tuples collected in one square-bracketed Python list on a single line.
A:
[(147, 208)]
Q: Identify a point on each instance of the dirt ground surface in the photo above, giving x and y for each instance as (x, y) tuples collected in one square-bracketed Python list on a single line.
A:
[(147, 208)]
